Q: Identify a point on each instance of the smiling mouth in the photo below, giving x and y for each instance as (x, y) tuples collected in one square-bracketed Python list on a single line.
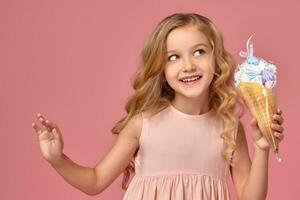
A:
[(191, 80)]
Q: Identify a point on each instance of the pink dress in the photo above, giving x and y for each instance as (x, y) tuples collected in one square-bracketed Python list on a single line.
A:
[(180, 158)]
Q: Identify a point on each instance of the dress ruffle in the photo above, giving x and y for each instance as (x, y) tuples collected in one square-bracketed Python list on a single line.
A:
[(177, 187)]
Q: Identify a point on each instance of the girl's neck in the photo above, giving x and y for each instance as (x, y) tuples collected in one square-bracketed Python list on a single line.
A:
[(191, 107)]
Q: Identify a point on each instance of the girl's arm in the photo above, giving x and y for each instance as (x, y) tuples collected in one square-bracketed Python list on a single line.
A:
[(251, 178), (82, 178), (93, 181), (241, 170), (120, 155)]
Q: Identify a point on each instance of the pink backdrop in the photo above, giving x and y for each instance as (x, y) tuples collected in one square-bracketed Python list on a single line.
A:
[(73, 62)]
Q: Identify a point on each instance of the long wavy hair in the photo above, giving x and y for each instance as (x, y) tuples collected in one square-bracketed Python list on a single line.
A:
[(151, 92)]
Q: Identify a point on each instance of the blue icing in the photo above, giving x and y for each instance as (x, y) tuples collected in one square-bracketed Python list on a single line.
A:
[(252, 75), (252, 60)]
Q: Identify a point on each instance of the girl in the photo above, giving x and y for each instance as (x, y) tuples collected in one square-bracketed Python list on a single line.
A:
[(182, 135)]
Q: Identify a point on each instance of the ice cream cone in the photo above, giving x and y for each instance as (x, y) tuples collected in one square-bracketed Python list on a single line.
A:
[(261, 102)]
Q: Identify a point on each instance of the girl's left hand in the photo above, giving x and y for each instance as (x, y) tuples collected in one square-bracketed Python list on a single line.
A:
[(276, 126)]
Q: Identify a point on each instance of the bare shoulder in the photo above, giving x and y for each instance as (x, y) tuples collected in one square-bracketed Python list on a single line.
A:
[(136, 123), (119, 155)]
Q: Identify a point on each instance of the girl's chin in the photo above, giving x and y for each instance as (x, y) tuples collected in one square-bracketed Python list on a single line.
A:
[(191, 94)]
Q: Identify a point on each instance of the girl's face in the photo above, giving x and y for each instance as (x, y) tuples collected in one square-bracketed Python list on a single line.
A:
[(189, 54)]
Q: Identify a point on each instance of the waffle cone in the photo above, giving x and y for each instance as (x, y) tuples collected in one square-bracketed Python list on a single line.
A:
[(261, 102)]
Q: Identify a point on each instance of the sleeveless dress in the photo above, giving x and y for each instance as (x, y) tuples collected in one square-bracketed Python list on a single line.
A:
[(179, 158)]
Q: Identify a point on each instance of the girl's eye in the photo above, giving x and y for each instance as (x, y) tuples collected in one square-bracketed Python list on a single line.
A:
[(200, 50), (169, 58), (176, 56)]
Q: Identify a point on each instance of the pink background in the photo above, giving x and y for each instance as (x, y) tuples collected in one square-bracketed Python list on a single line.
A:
[(73, 61)]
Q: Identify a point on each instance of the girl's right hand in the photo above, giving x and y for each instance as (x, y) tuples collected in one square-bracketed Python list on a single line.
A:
[(50, 139)]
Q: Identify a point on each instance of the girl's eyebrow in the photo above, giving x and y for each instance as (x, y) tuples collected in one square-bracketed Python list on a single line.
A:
[(198, 44)]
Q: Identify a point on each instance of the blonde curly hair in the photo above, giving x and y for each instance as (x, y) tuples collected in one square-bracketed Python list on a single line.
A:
[(152, 93)]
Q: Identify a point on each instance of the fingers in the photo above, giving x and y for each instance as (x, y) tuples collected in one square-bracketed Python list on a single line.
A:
[(51, 124), (277, 125), (277, 128), (46, 123), (36, 128), (277, 122), (279, 136), (278, 117)]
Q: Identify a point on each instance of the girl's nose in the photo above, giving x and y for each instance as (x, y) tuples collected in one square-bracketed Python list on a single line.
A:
[(188, 65)]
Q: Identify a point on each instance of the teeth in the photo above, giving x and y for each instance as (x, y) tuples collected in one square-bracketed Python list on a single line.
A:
[(190, 79)]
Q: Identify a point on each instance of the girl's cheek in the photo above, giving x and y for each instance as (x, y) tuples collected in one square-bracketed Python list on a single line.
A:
[(172, 69)]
